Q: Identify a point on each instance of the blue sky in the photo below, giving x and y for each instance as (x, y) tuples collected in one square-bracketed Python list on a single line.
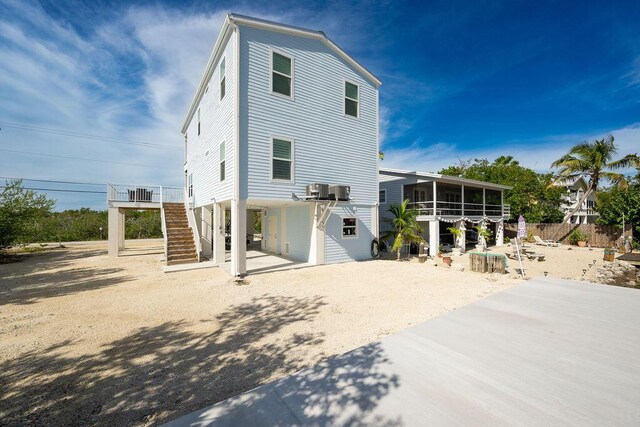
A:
[(460, 80)]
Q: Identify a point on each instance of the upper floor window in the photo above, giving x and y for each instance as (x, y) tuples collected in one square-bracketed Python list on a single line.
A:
[(223, 79), (351, 104), (382, 196), (198, 121), (190, 184), (281, 159), (281, 74), (222, 162)]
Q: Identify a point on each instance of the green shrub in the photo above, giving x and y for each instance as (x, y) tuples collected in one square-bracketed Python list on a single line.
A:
[(576, 236)]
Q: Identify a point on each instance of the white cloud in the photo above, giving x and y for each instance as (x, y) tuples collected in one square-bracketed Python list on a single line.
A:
[(536, 154)]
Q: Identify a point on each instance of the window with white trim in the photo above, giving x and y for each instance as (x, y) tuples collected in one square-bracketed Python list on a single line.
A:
[(222, 162), (198, 121), (351, 95), (223, 79), (382, 196), (281, 74), (349, 227), (281, 159), (190, 184)]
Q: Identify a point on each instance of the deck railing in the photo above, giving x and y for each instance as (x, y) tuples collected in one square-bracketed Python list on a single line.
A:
[(144, 193), (456, 209)]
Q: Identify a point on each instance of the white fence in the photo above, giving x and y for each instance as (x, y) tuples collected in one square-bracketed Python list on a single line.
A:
[(144, 193)]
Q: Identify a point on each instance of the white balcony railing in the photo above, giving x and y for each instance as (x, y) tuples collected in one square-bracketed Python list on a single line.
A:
[(456, 209), (144, 193)]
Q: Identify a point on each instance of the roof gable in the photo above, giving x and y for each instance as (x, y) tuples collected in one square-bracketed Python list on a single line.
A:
[(232, 20)]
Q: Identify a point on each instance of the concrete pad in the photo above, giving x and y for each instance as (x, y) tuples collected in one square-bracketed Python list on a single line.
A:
[(264, 262), (546, 352)]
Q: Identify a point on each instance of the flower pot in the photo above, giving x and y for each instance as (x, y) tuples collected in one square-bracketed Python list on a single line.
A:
[(582, 243), (447, 260), (456, 251), (439, 254)]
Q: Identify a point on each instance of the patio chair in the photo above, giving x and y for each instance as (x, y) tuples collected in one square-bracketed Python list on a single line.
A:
[(547, 243)]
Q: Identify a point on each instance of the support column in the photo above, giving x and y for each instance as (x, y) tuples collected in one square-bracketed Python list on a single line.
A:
[(263, 228), (113, 242), (462, 240), (206, 231), (500, 233), (434, 237), (121, 220), (238, 237), (316, 248), (218, 233)]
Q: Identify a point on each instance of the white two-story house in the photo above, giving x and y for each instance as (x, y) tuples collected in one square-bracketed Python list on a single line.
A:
[(279, 108), (575, 189)]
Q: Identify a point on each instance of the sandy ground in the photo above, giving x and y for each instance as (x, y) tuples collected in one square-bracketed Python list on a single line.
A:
[(87, 339)]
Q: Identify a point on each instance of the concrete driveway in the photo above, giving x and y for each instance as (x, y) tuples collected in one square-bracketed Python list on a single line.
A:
[(546, 352)]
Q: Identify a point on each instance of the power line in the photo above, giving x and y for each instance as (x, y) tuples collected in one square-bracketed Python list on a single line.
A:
[(53, 181), (21, 126), (61, 190), (80, 158)]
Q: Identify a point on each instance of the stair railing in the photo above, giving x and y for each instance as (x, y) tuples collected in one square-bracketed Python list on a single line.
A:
[(191, 220)]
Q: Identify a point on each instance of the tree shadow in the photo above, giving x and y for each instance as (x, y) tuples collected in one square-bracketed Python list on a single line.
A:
[(162, 372), (343, 390)]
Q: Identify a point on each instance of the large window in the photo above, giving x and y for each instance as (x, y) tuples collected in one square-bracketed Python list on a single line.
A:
[(281, 74), (382, 196), (281, 159), (351, 99), (223, 79), (349, 227), (222, 162)]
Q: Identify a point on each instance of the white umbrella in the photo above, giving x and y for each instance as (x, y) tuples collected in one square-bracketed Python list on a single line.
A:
[(522, 232)]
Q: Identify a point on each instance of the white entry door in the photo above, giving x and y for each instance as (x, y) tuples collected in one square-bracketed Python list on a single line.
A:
[(272, 244)]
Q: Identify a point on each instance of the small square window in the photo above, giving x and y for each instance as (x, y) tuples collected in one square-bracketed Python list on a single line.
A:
[(349, 227)]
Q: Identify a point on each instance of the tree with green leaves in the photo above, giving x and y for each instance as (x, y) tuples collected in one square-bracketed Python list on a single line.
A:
[(615, 205), (594, 161), (404, 226), (20, 210)]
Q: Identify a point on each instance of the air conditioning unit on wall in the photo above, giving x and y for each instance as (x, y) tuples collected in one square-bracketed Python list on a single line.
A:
[(339, 192), (318, 191)]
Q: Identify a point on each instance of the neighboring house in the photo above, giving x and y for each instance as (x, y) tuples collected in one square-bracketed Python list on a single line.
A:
[(576, 187), (445, 201), (278, 108)]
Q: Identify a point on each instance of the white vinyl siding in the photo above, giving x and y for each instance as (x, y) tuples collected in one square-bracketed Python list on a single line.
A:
[(351, 100), (281, 159), (339, 248), (216, 118), (281, 74), (328, 148)]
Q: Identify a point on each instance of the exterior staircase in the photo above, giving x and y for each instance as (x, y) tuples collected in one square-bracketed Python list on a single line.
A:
[(181, 248)]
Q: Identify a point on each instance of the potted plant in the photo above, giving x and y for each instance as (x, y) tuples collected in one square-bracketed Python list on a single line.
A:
[(578, 237), (483, 235), (457, 233)]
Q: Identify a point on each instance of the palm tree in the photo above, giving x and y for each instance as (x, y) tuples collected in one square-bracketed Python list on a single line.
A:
[(405, 227), (593, 160)]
